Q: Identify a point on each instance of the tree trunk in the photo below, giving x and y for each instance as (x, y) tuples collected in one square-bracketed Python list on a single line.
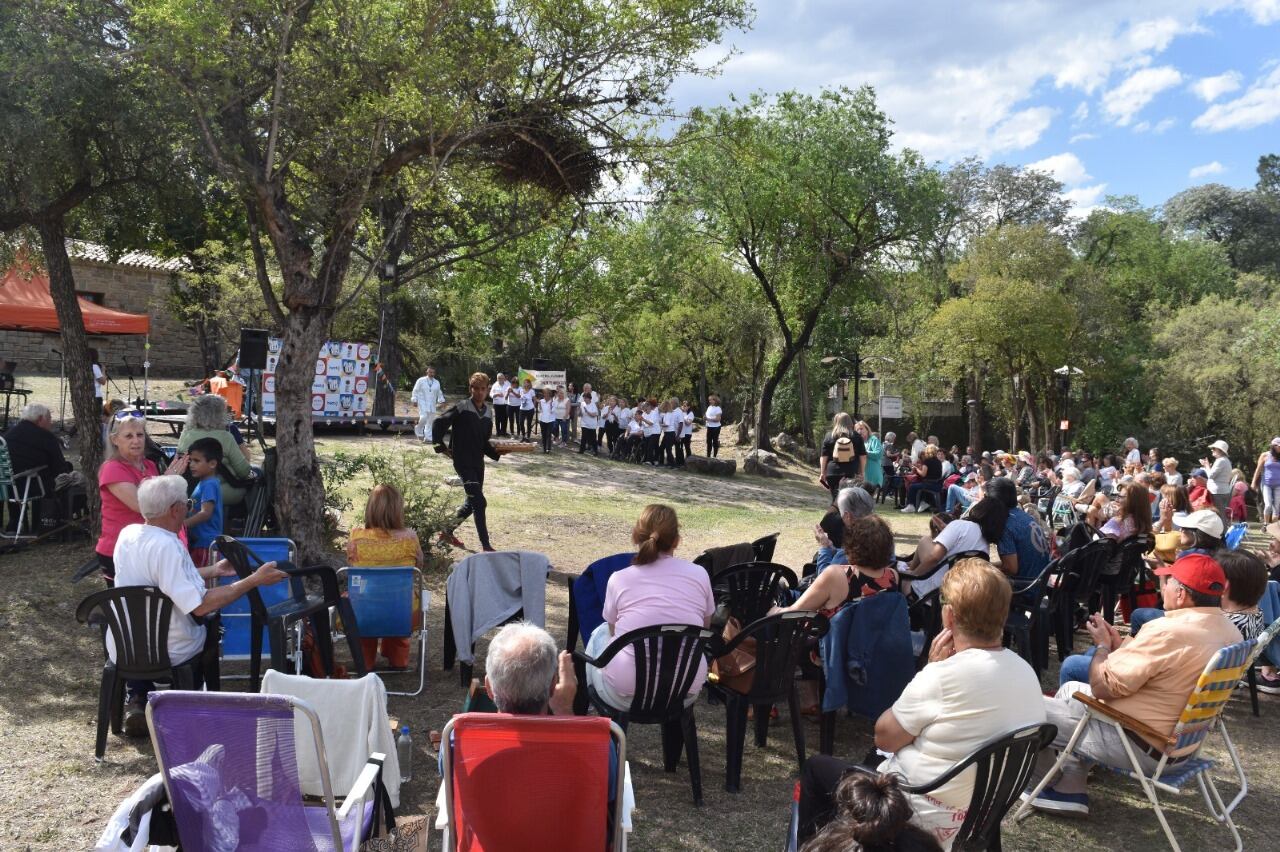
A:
[(749, 410), (806, 418), (299, 487), (1035, 430), (764, 411), (384, 397), (974, 404), (75, 348)]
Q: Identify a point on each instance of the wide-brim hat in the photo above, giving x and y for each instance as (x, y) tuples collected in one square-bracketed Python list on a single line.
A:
[(1220, 445)]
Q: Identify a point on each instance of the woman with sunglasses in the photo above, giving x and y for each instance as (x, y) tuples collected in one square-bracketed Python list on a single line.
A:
[(125, 468)]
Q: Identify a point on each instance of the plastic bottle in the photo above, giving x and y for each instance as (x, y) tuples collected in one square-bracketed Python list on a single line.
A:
[(404, 753)]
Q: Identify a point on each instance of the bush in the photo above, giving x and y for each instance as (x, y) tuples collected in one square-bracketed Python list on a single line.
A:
[(428, 506)]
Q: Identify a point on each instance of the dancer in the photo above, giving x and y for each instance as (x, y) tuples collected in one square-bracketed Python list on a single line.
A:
[(713, 416), (428, 397), (547, 419), (471, 422)]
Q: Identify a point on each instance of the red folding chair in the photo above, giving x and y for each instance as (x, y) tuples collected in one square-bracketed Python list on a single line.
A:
[(531, 783)]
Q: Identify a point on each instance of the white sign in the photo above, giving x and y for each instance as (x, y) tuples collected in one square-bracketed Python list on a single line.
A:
[(554, 379), (891, 407)]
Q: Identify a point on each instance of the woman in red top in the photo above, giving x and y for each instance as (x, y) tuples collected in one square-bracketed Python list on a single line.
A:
[(868, 544), (118, 479)]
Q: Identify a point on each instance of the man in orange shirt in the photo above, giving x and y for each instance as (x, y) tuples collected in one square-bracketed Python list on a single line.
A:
[(1148, 676)]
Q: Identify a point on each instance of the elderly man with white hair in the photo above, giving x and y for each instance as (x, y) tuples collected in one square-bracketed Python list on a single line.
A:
[(151, 554), (33, 445), (851, 503)]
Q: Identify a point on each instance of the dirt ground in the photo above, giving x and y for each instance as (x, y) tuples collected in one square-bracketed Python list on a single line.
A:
[(53, 796)]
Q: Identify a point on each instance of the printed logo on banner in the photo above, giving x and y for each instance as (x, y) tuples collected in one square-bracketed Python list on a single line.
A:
[(274, 344), (317, 402), (349, 366), (362, 385), (272, 360), (322, 366), (268, 383), (332, 383), (346, 401), (362, 351), (362, 368), (335, 348)]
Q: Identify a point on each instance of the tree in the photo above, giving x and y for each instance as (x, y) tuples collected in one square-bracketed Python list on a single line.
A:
[(807, 194), (1246, 223), (313, 109), (74, 128)]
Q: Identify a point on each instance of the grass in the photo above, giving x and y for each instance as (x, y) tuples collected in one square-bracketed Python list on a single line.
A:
[(575, 509)]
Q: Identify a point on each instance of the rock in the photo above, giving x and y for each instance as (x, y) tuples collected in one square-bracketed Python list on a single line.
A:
[(711, 467), (754, 463), (786, 443), (810, 455), (765, 458)]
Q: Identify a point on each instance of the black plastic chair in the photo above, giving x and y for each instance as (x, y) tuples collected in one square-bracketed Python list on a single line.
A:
[(1003, 767), (765, 546), (1026, 629), (1077, 580), (300, 605), (748, 591), (925, 611), (666, 658), (137, 617), (1128, 575), (780, 641)]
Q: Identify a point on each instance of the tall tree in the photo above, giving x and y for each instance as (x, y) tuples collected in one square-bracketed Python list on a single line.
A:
[(311, 108), (807, 194), (75, 127)]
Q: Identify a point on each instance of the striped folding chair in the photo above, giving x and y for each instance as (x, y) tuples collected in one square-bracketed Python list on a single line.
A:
[(1201, 716)]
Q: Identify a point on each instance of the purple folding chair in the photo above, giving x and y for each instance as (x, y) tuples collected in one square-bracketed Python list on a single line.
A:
[(230, 768)]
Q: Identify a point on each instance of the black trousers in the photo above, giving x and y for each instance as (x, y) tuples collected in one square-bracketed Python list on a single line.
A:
[(713, 441), (818, 781), (686, 444), (502, 414), (611, 431), (590, 438), (651, 453), (669, 443), (473, 484), (548, 431), (526, 423)]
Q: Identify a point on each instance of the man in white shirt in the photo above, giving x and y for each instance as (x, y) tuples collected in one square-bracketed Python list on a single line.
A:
[(151, 554), (501, 405), (916, 446), (428, 397), (972, 690), (99, 377)]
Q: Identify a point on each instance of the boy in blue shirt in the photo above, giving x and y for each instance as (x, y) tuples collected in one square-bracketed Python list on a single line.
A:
[(204, 524)]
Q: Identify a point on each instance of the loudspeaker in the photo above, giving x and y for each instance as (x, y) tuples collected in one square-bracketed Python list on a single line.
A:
[(253, 349)]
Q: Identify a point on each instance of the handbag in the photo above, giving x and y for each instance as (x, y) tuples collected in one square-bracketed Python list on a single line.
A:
[(736, 669)]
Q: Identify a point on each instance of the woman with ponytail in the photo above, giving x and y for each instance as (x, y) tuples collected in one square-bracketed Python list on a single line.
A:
[(657, 588), (871, 813)]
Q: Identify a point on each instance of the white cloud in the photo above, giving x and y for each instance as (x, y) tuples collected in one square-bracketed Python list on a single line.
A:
[(1214, 168), (1209, 89), (1259, 105), (1127, 99), (1081, 113), (1263, 11), (1081, 137), (1085, 199), (1158, 128), (1065, 167)]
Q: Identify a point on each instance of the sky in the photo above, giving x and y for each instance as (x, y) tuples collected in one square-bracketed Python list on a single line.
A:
[(1114, 98)]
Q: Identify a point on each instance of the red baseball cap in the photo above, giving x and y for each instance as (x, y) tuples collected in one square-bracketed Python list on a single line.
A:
[(1197, 572)]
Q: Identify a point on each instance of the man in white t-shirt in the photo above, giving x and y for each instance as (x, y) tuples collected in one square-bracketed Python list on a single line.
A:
[(99, 377), (972, 690), (151, 554), (428, 396)]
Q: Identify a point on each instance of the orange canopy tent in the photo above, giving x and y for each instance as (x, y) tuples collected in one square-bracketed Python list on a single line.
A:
[(25, 305)]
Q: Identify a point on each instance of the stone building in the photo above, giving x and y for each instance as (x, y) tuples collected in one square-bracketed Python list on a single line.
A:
[(135, 282)]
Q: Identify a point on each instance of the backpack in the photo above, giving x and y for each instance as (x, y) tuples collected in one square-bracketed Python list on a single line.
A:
[(843, 452)]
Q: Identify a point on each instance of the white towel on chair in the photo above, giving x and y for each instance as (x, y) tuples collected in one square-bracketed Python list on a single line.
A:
[(354, 723)]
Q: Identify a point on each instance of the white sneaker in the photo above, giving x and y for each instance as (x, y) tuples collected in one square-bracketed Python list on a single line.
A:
[(907, 509), (922, 508)]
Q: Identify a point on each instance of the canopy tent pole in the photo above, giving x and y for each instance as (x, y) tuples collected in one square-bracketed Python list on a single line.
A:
[(62, 390), (146, 369)]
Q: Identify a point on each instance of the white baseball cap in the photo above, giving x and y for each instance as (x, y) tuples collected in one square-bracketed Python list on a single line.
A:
[(1205, 520)]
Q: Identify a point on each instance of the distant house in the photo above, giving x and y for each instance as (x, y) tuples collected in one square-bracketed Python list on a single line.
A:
[(135, 282)]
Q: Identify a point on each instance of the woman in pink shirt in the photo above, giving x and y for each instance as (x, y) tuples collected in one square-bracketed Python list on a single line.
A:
[(118, 479), (657, 589)]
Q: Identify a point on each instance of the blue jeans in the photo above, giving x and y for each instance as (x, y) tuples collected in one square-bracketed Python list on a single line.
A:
[(957, 496), (1076, 667), (913, 492), (1141, 616), (563, 427)]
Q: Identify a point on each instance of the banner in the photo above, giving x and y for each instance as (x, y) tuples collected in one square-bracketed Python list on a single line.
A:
[(341, 383), (553, 379)]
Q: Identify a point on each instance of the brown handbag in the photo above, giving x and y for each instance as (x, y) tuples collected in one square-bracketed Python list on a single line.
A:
[(736, 670)]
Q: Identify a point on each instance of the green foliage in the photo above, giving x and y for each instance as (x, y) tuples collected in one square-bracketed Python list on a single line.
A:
[(428, 505)]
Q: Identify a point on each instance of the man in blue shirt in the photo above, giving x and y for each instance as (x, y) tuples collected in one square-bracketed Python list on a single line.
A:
[(1024, 547)]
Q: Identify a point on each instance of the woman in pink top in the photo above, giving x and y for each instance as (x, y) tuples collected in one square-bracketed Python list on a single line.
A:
[(657, 589), (118, 479)]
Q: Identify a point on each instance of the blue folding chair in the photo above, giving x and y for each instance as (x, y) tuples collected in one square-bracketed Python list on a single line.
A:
[(383, 599), (237, 616), (1235, 535)]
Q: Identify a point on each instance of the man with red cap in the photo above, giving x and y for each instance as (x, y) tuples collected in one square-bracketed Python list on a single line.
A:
[(1148, 677)]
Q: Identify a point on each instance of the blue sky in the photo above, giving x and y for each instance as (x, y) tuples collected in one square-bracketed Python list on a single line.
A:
[(1115, 98)]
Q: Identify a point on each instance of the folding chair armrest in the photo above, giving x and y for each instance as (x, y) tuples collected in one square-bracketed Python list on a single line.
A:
[(363, 784), (28, 473), (1125, 720)]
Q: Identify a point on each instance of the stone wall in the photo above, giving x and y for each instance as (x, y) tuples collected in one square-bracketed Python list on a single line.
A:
[(131, 288)]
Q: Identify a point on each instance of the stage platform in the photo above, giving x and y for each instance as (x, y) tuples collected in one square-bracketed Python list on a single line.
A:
[(360, 423)]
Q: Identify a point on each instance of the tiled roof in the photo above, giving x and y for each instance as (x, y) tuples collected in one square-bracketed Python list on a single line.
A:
[(81, 250)]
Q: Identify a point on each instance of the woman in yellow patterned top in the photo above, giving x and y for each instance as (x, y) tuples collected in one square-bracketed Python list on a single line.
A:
[(384, 541)]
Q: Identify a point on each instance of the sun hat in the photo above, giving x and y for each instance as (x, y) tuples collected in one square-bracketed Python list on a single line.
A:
[(1197, 572), (1220, 445), (1205, 520)]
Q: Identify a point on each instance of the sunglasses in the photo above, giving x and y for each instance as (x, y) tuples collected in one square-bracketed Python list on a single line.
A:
[(125, 415)]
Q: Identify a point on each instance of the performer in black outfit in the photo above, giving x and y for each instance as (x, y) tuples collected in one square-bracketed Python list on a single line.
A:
[(471, 422)]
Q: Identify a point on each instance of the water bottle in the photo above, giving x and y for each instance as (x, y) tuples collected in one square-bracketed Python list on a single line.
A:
[(404, 753)]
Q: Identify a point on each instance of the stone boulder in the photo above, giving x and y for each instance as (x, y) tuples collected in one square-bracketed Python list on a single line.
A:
[(809, 454), (762, 463), (711, 467), (786, 443)]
